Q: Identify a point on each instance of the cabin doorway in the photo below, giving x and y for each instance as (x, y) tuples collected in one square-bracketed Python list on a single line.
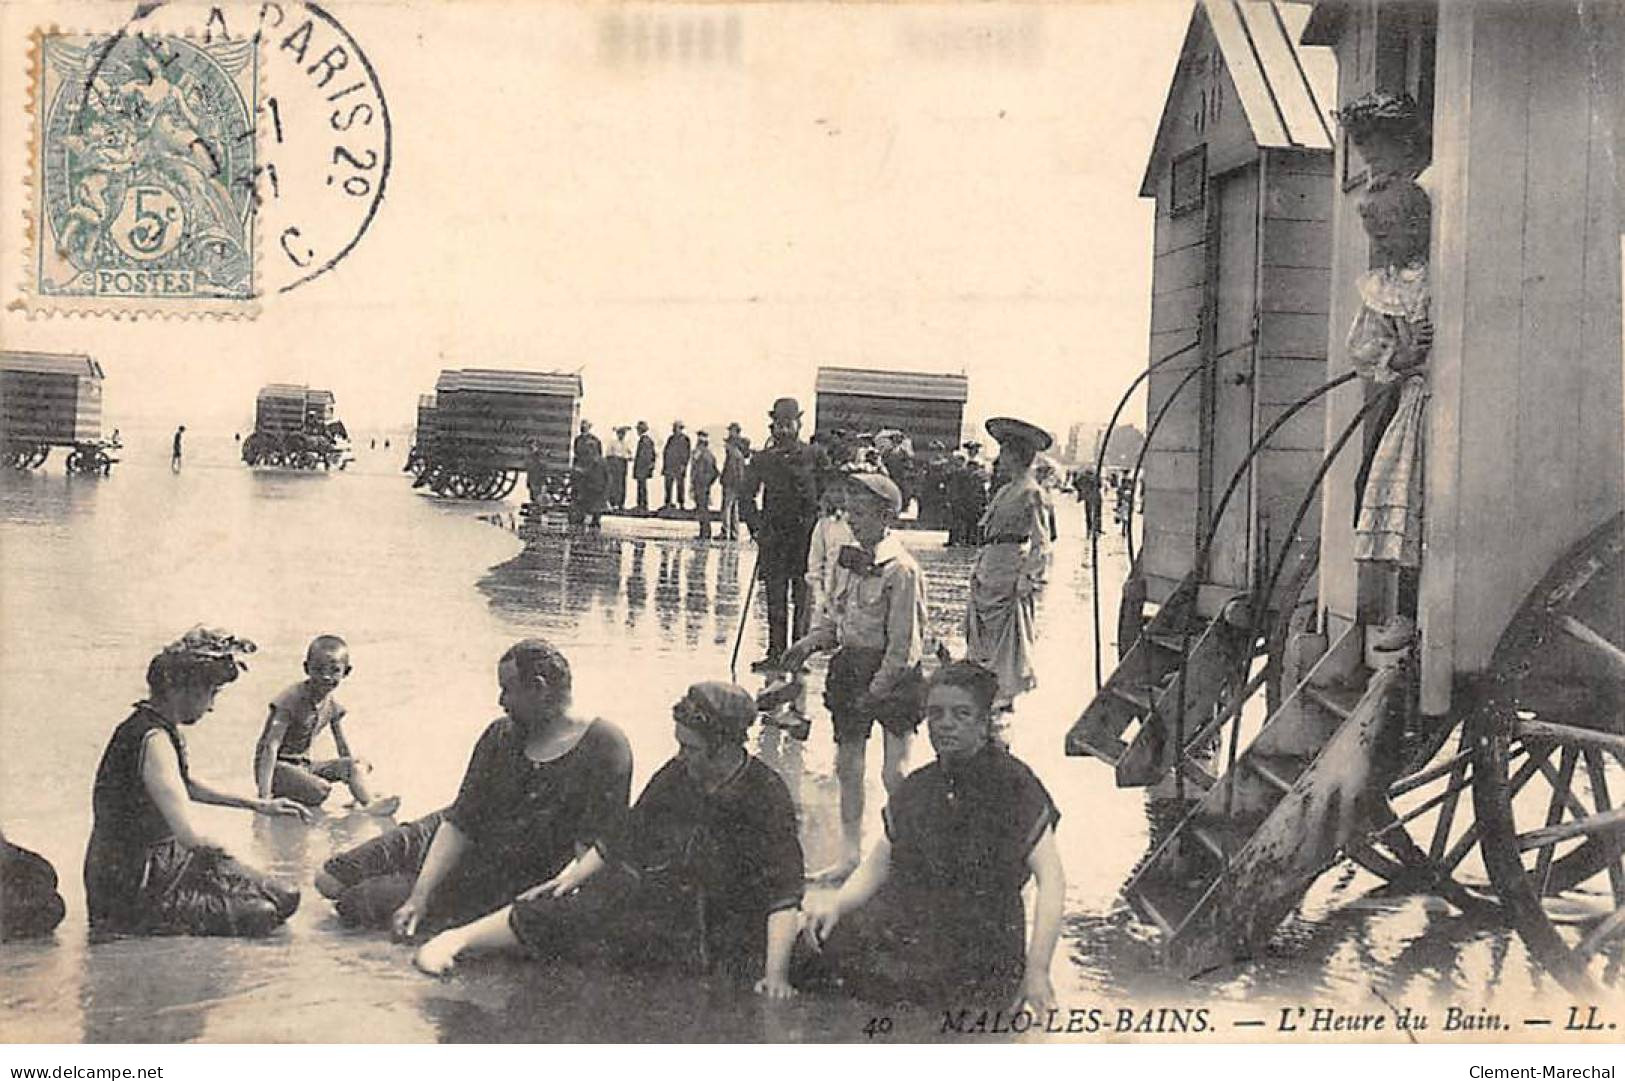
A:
[(1232, 326)]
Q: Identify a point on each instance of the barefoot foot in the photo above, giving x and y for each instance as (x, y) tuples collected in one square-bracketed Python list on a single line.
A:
[(437, 956), (382, 806)]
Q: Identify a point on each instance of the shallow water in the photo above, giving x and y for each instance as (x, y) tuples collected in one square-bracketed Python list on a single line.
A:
[(96, 574)]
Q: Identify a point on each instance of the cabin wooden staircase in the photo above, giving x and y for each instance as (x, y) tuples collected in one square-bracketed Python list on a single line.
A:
[(1238, 863), (1144, 692)]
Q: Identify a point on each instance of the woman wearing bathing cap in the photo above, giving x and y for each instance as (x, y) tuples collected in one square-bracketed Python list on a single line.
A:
[(149, 870), (707, 874)]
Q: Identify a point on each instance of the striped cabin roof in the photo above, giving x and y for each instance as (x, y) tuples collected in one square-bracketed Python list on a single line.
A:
[(872, 383), (552, 384), (283, 391), (49, 363), (1285, 89)]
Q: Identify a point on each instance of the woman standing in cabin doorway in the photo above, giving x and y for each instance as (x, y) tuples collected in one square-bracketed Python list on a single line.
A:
[(1390, 342)]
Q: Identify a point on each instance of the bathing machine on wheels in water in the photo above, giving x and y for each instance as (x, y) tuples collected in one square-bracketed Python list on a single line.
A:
[(53, 400), (294, 428), (483, 430), (1477, 756)]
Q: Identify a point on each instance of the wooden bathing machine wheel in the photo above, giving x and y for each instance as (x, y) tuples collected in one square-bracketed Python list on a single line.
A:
[(1510, 800), (1547, 737), (465, 481), (21, 455)]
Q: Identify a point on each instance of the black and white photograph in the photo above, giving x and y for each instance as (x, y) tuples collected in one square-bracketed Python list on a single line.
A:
[(564, 522)]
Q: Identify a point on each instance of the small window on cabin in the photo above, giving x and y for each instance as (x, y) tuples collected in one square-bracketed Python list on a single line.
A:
[(1353, 165), (1189, 181)]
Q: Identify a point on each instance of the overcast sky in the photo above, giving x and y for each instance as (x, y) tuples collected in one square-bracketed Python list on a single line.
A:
[(933, 188)]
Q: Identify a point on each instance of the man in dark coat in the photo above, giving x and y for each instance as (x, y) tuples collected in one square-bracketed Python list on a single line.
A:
[(967, 498), (933, 493), (674, 463), (702, 476), (587, 480), (643, 465), (785, 472), (1089, 492), (736, 457)]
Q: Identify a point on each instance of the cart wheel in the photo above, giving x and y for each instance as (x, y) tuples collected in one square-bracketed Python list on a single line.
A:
[(1548, 744), (37, 459)]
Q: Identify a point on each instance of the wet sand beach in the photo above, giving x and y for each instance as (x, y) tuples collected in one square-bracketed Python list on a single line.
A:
[(97, 574)]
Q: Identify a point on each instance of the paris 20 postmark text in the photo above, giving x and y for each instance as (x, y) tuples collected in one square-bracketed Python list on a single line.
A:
[(200, 160)]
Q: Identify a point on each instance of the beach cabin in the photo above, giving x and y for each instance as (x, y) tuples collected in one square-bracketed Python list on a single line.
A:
[(1491, 744), (491, 417), (49, 399), (424, 433), (926, 407), (282, 408), (1241, 171), (1524, 451)]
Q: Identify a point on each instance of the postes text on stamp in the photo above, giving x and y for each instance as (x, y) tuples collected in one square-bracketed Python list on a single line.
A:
[(144, 173)]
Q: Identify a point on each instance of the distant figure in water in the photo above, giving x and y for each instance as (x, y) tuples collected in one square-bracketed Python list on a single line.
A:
[(282, 762), (542, 787), (706, 875), (30, 906), (175, 450), (148, 869)]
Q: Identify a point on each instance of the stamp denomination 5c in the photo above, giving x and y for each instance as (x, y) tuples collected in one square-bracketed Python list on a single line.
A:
[(144, 173)]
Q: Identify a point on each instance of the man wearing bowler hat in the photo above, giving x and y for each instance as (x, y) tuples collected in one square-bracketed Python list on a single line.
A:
[(785, 472)]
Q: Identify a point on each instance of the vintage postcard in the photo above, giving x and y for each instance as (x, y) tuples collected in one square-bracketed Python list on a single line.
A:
[(559, 522)]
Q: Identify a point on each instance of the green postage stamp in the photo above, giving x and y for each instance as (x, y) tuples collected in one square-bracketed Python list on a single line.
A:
[(144, 173)]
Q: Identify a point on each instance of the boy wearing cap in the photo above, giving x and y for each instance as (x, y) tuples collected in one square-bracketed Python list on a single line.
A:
[(875, 621)]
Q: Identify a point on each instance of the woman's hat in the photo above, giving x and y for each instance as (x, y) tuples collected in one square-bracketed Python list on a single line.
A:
[(716, 708), (786, 409), (1009, 429)]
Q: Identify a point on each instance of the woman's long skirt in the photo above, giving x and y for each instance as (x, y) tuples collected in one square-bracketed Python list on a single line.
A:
[(999, 621)]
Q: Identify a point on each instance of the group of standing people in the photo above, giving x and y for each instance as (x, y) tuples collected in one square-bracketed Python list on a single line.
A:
[(690, 471), (544, 853)]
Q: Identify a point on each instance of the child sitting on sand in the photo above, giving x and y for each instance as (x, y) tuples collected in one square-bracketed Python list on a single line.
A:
[(282, 762)]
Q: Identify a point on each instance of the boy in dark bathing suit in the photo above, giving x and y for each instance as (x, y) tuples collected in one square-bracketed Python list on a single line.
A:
[(282, 762)]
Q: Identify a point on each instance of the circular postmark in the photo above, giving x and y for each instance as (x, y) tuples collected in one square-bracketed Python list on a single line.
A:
[(326, 142), (241, 150)]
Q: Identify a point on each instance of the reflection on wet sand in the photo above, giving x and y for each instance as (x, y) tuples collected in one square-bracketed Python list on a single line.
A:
[(405, 578)]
